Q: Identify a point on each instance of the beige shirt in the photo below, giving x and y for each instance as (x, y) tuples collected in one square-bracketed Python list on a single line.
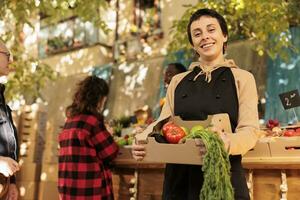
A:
[(246, 133)]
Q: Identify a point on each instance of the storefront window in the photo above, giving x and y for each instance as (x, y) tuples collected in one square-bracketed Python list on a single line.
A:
[(147, 18), (67, 35)]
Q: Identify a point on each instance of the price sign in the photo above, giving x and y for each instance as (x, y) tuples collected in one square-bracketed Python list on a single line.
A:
[(290, 99)]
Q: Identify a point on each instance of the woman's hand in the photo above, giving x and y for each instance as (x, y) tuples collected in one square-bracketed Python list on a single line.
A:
[(138, 151), (8, 166)]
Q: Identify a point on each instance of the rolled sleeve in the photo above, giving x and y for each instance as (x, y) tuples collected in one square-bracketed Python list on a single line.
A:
[(247, 130)]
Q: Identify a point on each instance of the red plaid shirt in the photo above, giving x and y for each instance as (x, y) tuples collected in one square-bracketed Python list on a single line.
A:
[(86, 149)]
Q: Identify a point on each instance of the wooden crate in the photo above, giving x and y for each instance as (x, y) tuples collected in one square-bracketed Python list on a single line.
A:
[(267, 182), (285, 147), (31, 151)]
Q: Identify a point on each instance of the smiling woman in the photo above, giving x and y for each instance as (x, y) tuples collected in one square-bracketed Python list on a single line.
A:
[(213, 85)]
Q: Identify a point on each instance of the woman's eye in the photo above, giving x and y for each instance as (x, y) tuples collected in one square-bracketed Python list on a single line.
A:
[(197, 34), (211, 30)]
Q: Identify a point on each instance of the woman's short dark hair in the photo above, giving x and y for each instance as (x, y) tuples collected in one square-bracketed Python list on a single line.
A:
[(207, 12), (178, 66), (87, 96)]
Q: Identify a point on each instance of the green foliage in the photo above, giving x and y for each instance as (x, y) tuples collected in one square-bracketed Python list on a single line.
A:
[(266, 22), (31, 75)]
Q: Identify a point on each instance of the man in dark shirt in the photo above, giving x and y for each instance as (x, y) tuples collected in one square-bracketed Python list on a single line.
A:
[(8, 135)]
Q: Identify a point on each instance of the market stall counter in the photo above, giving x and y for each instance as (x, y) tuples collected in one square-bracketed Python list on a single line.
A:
[(135, 180), (268, 178), (272, 169)]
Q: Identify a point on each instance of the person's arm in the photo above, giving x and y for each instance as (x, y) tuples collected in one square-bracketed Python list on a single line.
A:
[(246, 133), (106, 147)]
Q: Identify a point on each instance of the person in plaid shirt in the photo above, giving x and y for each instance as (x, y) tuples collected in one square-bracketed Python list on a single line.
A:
[(86, 147)]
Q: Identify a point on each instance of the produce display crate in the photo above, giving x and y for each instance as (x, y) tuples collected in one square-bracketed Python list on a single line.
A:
[(186, 153), (285, 147)]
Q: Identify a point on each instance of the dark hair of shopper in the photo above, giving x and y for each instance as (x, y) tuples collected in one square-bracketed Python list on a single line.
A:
[(87, 96), (178, 66), (207, 12)]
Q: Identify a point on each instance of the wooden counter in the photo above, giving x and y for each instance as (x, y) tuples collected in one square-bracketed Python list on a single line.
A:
[(248, 163), (265, 178), (143, 180), (272, 163)]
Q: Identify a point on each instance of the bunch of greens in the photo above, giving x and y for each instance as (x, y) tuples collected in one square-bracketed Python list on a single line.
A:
[(216, 167)]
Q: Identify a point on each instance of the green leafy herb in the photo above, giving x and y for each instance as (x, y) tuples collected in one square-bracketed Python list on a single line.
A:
[(216, 167)]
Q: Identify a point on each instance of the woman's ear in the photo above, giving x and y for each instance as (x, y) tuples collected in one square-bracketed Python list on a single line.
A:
[(225, 38)]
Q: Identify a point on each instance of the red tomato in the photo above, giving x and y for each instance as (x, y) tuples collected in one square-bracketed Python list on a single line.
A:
[(297, 132), (289, 133), (167, 126), (174, 134)]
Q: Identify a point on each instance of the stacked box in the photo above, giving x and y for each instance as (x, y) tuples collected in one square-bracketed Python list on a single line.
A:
[(32, 128), (28, 190), (50, 154), (31, 131), (285, 147), (49, 173)]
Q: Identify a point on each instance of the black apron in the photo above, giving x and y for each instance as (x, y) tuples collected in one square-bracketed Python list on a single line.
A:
[(194, 100)]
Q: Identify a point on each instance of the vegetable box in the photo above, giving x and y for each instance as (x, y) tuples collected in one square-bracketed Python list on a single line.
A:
[(185, 153), (285, 147)]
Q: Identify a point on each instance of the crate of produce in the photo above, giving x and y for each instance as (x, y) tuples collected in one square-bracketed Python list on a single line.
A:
[(183, 153), (285, 146)]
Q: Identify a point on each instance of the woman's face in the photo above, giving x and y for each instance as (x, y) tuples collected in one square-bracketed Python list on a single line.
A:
[(208, 38)]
